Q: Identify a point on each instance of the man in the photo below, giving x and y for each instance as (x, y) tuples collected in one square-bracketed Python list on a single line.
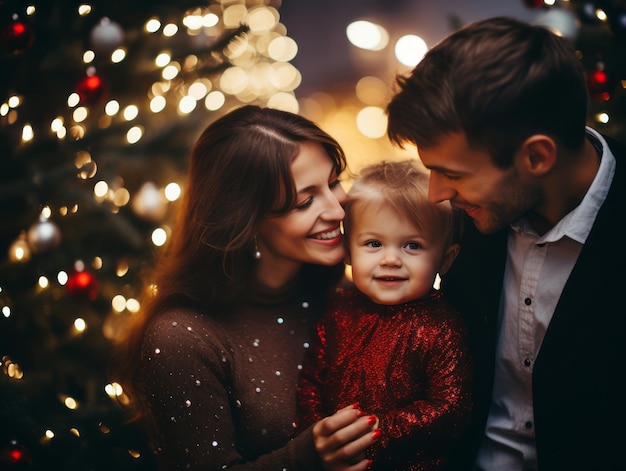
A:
[(497, 111)]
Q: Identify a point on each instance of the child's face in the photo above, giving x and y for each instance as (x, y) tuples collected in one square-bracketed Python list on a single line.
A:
[(392, 261)]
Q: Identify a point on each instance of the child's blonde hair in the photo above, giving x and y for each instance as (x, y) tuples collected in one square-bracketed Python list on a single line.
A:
[(403, 186)]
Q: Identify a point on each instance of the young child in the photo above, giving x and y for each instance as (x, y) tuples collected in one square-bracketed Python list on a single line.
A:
[(393, 345)]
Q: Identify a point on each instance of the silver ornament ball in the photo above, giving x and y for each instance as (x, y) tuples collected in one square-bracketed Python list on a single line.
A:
[(106, 36), (44, 235)]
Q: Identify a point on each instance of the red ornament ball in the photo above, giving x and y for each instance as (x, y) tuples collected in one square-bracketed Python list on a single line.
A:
[(91, 89), (598, 85), (15, 456), (82, 284), (16, 36)]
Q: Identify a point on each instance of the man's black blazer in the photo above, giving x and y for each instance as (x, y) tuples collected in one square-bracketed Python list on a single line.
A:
[(579, 377)]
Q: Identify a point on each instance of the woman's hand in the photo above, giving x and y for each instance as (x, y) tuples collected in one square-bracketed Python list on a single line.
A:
[(341, 439)]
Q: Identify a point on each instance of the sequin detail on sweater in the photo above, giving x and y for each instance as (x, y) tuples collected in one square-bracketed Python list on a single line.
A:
[(407, 364), (222, 388)]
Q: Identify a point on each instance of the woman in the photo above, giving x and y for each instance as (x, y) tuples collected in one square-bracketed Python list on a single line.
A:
[(215, 358)]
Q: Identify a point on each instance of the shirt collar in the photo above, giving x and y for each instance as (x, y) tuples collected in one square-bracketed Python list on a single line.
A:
[(577, 223)]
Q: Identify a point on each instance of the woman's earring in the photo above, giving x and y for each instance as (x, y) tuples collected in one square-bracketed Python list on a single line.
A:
[(257, 252)]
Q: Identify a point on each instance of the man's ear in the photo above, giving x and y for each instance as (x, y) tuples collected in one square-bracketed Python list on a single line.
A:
[(448, 257), (539, 154)]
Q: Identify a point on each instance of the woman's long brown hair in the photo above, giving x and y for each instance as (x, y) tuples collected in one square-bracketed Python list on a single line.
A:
[(239, 173)]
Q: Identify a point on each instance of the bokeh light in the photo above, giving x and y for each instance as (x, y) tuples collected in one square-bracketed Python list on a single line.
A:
[(367, 35), (410, 50)]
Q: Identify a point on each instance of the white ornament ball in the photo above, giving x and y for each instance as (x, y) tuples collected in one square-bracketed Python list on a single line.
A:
[(106, 36), (149, 203), (44, 235), (560, 21)]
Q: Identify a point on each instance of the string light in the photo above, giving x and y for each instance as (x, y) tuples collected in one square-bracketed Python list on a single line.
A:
[(170, 30), (118, 55), (152, 25), (159, 236), (27, 133), (84, 9), (172, 191), (80, 325), (89, 56), (130, 112), (14, 101)]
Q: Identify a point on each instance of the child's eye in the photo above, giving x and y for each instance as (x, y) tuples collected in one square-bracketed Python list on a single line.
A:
[(413, 245), (308, 202), (334, 183), (373, 244)]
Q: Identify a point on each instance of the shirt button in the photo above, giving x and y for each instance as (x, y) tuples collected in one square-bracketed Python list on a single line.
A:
[(528, 424), (527, 361), (527, 301)]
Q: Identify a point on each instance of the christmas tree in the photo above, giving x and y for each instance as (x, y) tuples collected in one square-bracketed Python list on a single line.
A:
[(100, 103)]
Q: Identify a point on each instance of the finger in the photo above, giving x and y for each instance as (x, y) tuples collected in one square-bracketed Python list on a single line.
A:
[(339, 420), (355, 448), (348, 445), (352, 431), (357, 459)]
